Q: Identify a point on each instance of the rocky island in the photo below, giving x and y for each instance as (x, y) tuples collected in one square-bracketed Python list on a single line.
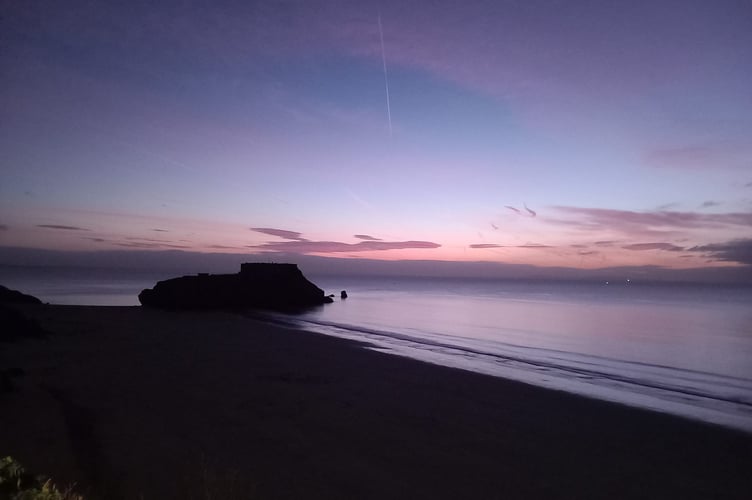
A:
[(257, 285)]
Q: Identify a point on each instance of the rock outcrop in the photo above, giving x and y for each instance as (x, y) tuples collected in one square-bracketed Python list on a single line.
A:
[(257, 285), (8, 296), (14, 325)]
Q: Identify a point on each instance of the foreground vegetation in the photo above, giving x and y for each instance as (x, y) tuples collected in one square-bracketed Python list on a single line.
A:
[(17, 484)]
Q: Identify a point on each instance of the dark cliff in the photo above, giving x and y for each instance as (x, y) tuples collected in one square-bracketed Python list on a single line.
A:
[(8, 296), (257, 285)]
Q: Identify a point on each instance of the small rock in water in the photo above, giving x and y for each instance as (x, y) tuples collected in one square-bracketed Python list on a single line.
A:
[(343, 294)]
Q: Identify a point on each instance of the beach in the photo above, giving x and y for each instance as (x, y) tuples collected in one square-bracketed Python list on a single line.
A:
[(129, 402)]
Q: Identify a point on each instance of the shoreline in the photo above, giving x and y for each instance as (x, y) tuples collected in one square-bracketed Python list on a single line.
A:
[(668, 401), (129, 401)]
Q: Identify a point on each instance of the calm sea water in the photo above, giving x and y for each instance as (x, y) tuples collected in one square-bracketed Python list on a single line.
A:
[(81, 286), (681, 349)]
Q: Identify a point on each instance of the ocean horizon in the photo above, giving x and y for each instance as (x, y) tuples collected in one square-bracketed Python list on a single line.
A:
[(683, 349)]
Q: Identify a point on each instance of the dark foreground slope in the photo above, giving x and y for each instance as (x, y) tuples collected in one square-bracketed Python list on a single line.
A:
[(14, 324), (142, 403), (257, 285)]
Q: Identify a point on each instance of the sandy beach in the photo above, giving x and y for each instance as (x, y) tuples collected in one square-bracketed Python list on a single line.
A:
[(132, 403)]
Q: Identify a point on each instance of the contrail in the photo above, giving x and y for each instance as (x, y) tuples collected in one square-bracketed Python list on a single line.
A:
[(386, 77)]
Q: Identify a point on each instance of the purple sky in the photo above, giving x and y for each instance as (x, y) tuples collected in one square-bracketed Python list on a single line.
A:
[(578, 134)]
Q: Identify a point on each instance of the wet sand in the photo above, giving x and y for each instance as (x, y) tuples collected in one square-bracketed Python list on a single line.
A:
[(134, 403)]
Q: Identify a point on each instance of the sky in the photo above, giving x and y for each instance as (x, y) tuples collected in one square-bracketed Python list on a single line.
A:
[(568, 134)]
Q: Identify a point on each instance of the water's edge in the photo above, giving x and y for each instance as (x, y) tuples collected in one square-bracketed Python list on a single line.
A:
[(687, 397)]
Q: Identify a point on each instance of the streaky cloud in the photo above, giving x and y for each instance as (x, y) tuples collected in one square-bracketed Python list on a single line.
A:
[(486, 245), (653, 246), (739, 251), (667, 206), (530, 212), (140, 243), (59, 226), (281, 233), (144, 244), (297, 244), (305, 246), (605, 218), (151, 240), (494, 245), (366, 237)]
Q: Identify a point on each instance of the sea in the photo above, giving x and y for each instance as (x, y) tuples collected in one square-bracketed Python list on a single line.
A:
[(683, 349)]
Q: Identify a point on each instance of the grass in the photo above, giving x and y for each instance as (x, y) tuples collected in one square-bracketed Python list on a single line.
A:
[(17, 484)]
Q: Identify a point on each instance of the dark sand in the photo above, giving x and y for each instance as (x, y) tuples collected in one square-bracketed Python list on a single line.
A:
[(135, 403)]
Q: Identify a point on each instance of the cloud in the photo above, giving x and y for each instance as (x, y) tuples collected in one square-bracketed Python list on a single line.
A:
[(281, 233), (604, 243), (306, 246), (3, 227), (486, 245), (530, 212), (666, 206), (57, 226), (493, 245), (653, 246), (133, 238), (599, 219), (709, 203), (142, 244), (732, 251), (298, 244), (160, 230)]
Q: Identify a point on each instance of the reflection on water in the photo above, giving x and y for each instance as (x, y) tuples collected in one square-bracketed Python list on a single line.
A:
[(699, 329)]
